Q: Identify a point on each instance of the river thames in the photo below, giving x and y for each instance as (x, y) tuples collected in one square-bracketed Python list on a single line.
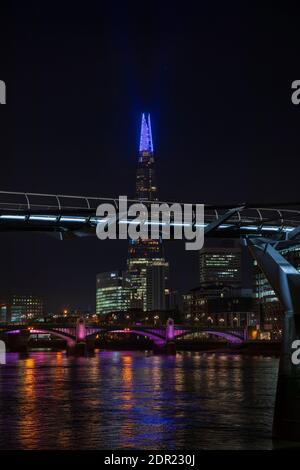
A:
[(135, 400)]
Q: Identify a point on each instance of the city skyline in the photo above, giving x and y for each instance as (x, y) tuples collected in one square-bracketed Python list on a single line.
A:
[(220, 122), (116, 332)]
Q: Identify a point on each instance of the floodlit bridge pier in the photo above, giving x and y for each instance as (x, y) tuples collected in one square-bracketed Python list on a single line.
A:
[(264, 228)]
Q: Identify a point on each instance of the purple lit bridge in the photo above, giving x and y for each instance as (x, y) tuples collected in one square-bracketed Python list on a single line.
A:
[(83, 333)]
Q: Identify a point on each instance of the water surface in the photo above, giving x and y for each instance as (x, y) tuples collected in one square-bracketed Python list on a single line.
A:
[(131, 400)]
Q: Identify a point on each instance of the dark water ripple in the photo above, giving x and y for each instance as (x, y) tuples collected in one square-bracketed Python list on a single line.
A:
[(128, 400)]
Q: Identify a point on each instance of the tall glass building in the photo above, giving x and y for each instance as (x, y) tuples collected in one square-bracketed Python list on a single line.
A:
[(112, 292), (144, 254)]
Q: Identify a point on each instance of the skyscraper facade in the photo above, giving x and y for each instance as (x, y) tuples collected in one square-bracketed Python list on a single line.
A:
[(143, 254), (112, 292), (156, 285)]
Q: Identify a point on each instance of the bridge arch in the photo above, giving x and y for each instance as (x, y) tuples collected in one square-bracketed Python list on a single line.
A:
[(229, 336), (157, 339), (70, 339)]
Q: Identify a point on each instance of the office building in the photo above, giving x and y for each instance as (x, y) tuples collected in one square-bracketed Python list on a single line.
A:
[(112, 292), (24, 307), (219, 305), (157, 275), (221, 265)]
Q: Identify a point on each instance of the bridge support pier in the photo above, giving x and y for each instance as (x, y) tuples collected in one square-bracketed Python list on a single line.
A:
[(80, 349), (286, 423), (168, 345), (165, 348), (171, 347), (82, 346), (22, 344), (285, 280)]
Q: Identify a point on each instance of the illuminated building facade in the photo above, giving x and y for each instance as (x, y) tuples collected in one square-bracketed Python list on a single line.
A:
[(221, 264), (25, 307), (156, 285), (4, 317), (219, 305), (147, 287), (112, 292)]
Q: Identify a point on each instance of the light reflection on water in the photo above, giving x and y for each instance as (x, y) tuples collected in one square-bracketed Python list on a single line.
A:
[(118, 400)]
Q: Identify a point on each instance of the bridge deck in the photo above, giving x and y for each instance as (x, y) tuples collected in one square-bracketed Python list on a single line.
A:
[(77, 215)]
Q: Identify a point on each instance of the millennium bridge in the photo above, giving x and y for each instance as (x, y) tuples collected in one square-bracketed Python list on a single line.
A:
[(76, 216), (264, 228)]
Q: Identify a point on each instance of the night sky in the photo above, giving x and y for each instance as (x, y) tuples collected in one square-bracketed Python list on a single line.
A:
[(217, 82)]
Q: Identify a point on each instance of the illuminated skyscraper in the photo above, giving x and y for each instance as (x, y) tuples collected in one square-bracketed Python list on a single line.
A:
[(146, 186), (112, 292), (143, 254)]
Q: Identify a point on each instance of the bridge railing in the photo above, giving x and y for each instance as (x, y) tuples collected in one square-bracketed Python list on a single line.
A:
[(248, 215)]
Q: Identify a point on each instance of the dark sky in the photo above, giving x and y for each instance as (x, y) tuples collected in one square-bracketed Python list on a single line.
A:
[(217, 81)]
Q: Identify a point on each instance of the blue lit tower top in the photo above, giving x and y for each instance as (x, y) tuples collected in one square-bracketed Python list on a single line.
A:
[(143, 253), (146, 187), (146, 142)]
